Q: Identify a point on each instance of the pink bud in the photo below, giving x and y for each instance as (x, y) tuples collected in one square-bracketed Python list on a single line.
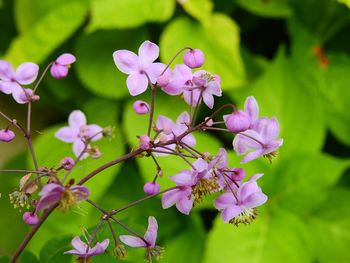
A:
[(30, 218), (237, 174), (67, 163), (209, 121), (60, 67), (237, 121), (6, 135), (144, 142), (194, 58), (151, 188), (141, 107)]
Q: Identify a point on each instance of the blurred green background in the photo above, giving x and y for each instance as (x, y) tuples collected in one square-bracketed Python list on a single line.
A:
[(292, 55)]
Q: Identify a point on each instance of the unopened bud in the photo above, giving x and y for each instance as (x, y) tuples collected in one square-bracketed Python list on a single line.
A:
[(194, 58), (151, 188), (141, 107), (6, 135), (67, 163)]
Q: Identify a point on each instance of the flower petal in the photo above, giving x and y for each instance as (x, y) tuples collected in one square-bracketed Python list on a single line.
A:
[(247, 189), (225, 200), (76, 119), (137, 83), (148, 52), (95, 132), (169, 198), (79, 245), (67, 134), (80, 192), (8, 87), (66, 59), (6, 71), (184, 178), (185, 204), (151, 233), (251, 108), (78, 147), (208, 99), (165, 124), (230, 212), (132, 241), (48, 200), (21, 95), (255, 200), (154, 71), (252, 156), (26, 73), (59, 71), (126, 61)]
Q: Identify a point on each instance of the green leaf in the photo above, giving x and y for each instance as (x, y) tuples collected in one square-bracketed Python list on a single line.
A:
[(267, 8), (282, 92), (4, 259), (28, 257), (331, 228), (219, 40), (53, 250), (345, 2), (275, 236), (95, 66), (47, 33), (109, 14), (199, 9)]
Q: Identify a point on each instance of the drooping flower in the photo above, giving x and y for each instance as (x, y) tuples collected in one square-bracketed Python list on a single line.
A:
[(259, 141), (6, 135), (83, 251), (139, 68), (151, 188), (240, 206), (67, 163), (11, 81), (30, 218), (141, 107), (174, 82), (78, 132), (61, 65), (148, 241), (194, 58), (205, 85), (52, 194)]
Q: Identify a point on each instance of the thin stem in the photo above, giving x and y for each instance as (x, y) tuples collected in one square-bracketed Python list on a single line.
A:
[(153, 91), (116, 242), (174, 57), (196, 109), (42, 77), (216, 129), (188, 156), (22, 171), (127, 229), (94, 233), (180, 155)]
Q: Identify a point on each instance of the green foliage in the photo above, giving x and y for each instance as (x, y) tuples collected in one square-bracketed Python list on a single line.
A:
[(269, 8)]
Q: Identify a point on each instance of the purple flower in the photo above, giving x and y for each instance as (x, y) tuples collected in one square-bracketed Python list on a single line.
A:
[(6, 135), (259, 141), (174, 82), (144, 141), (194, 58), (61, 65), (67, 163), (139, 67), (52, 194), (237, 121), (78, 132), (82, 250), (12, 80), (30, 218), (141, 107), (151, 188), (240, 207), (148, 241), (205, 85)]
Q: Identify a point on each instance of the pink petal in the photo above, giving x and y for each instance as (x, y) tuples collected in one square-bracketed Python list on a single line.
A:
[(200, 165), (79, 245), (99, 248), (151, 233), (165, 124), (252, 156), (208, 99), (66, 59), (185, 204), (230, 212), (76, 119), (182, 72), (132, 241), (148, 52), (189, 140), (51, 187), (184, 178), (251, 107), (225, 200), (7, 87), (6, 71), (254, 200), (95, 132), (137, 83), (48, 200), (26, 73), (247, 189), (21, 95), (183, 118), (59, 71), (126, 61), (246, 141), (169, 198), (154, 71), (78, 148), (67, 134), (80, 192)]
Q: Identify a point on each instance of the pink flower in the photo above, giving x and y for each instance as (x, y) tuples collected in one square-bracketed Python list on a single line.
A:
[(61, 65), (11, 81), (83, 251), (139, 67), (67, 163), (141, 107), (78, 132), (151, 188), (144, 142), (194, 58), (174, 82), (205, 85), (261, 140), (237, 121), (6, 135), (30, 218)]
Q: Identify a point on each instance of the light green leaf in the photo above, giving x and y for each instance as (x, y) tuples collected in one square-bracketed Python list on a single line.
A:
[(28, 257), (53, 250), (46, 34), (345, 2), (268, 8), (199, 9), (331, 226), (219, 41), (274, 237), (109, 14), (95, 66)]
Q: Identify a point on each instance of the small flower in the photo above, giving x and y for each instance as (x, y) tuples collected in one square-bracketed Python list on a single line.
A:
[(151, 188), (30, 218), (237, 121), (141, 107), (240, 207), (52, 194), (205, 85), (174, 82), (139, 68), (148, 241), (67, 163), (6, 135), (61, 65), (144, 142), (83, 251), (194, 58), (78, 132), (259, 141)]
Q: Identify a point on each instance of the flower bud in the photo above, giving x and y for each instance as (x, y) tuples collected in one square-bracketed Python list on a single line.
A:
[(6, 135), (238, 174), (67, 163), (194, 58), (141, 107), (237, 121), (30, 218), (144, 142), (61, 65), (151, 188), (209, 121)]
